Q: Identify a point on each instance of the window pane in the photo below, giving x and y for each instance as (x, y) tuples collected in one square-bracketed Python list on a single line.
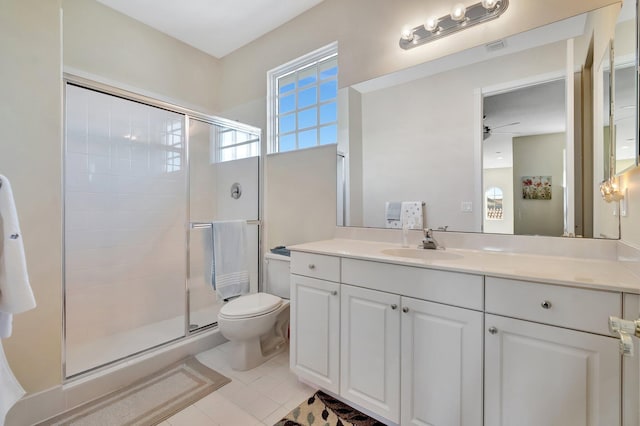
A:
[(307, 77), (308, 138), (287, 123), (328, 134), (287, 84), (329, 69), (286, 104), (242, 136), (308, 118), (328, 90), (287, 143), (307, 97), (226, 137), (328, 113)]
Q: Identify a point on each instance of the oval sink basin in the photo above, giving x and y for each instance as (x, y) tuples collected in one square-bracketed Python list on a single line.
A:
[(422, 254)]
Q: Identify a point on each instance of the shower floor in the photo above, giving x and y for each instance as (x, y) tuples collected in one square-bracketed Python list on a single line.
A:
[(98, 352)]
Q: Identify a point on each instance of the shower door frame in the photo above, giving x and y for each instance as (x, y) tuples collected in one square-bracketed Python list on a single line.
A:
[(107, 89)]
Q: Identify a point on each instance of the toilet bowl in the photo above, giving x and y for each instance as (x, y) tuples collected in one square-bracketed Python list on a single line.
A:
[(257, 324)]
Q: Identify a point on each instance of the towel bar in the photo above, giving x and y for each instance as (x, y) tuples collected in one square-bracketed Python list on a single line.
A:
[(204, 225)]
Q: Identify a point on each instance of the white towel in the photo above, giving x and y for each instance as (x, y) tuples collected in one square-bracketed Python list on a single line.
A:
[(393, 214), (413, 214), (231, 273), (10, 389), (15, 292)]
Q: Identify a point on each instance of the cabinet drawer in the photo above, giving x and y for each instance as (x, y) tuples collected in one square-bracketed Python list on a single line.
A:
[(315, 266), (576, 308), (452, 288)]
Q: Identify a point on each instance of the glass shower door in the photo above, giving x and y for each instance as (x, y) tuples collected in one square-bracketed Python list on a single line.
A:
[(125, 239), (223, 160)]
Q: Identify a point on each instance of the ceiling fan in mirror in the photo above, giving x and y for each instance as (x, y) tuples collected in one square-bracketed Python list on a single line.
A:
[(491, 130)]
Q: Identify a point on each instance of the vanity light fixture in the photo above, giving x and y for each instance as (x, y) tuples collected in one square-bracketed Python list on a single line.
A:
[(461, 17)]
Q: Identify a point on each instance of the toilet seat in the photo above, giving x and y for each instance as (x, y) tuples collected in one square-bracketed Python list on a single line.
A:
[(251, 305)]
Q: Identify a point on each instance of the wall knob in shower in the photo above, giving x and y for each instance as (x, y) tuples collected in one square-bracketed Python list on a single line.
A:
[(236, 190)]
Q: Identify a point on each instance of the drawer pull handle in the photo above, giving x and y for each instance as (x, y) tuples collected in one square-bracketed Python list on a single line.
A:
[(394, 306), (405, 309), (334, 293), (546, 304), (493, 330), (312, 266)]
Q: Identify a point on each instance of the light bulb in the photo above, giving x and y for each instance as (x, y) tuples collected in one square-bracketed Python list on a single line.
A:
[(431, 24), (458, 11), (407, 33), (489, 4)]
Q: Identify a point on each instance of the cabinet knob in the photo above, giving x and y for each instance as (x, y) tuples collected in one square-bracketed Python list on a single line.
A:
[(405, 309), (546, 304), (493, 330), (312, 266), (394, 306), (334, 293)]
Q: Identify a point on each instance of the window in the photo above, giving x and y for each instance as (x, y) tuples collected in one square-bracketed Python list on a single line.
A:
[(234, 144), (303, 107), (494, 203)]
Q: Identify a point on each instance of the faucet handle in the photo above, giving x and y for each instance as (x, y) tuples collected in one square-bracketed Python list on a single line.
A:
[(428, 232)]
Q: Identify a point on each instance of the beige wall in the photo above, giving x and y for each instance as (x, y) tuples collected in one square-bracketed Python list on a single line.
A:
[(630, 224), (30, 156), (540, 155), (368, 32), (300, 196), (109, 45)]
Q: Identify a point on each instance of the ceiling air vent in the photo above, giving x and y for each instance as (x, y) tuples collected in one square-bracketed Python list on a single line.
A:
[(496, 45)]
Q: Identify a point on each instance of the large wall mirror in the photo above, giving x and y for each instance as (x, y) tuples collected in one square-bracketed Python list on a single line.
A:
[(504, 138)]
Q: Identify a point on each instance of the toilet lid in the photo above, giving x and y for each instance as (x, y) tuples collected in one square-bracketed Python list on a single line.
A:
[(251, 305)]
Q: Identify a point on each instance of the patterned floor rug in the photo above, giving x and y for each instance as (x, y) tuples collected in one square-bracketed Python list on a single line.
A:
[(324, 410), (148, 401)]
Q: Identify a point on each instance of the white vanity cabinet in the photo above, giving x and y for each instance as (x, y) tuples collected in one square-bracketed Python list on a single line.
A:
[(428, 353), (551, 373), (370, 350), (315, 320), (441, 355), (404, 353)]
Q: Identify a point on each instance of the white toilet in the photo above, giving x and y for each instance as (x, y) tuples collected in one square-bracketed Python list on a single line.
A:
[(257, 324)]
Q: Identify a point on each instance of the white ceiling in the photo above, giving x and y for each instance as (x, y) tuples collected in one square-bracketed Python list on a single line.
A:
[(216, 27)]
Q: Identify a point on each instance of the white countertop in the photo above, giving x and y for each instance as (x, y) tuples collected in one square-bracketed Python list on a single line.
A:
[(598, 274)]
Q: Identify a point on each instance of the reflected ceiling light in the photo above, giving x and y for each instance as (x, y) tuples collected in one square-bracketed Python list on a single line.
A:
[(461, 17)]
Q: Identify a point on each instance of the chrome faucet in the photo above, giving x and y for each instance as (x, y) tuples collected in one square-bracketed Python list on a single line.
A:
[(429, 242)]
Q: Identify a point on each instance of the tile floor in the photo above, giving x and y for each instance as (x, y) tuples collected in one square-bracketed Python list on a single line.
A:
[(260, 396)]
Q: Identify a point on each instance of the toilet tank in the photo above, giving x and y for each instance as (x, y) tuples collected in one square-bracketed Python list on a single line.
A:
[(276, 272)]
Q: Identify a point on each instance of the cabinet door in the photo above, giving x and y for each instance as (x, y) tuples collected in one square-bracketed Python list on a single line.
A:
[(441, 364), (370, 350), (315, 331), (539, 375)]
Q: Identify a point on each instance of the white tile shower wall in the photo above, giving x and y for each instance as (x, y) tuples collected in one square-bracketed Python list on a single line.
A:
[(125, 210)]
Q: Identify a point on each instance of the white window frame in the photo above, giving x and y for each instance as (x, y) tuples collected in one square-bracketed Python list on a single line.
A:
[(309, 59)]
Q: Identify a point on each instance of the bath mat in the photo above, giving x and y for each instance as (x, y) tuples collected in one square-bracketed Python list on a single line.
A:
[(324, 410), (148, 401)]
